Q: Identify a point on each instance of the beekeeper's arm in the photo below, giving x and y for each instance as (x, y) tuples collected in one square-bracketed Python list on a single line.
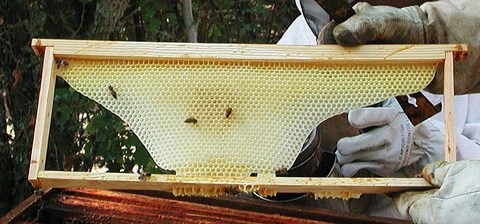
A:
[(439, 22), (396, 144)]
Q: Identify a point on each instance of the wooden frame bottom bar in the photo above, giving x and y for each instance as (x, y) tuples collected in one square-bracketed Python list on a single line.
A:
[(162, 182)]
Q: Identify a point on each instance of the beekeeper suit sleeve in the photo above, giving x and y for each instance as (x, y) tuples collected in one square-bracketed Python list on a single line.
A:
[(438, 22)]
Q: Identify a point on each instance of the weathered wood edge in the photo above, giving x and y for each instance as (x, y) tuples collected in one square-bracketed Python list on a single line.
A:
[(253, 52)]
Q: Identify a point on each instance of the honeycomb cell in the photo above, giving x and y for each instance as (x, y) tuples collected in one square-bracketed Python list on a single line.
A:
[(275, 105)]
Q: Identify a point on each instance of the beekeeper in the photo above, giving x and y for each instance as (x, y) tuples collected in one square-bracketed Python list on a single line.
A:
[(380, 150)]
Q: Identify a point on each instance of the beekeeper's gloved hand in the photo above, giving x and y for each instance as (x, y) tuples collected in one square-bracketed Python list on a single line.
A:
[(376, 24), (393, 144), (456, 201)]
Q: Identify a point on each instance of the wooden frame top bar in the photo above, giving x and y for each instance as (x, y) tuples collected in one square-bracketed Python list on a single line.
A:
[(253, 52)]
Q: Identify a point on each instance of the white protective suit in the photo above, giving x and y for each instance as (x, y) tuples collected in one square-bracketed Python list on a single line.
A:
[(467, 107)]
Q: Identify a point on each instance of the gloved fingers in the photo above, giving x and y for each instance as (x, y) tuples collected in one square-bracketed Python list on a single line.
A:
[(346, 33), (415, 205), (379, 154), (426, 130), (347, 36), (436, 172), (326, 34), (350, 169), (360, 6), (392, 102), (380, 24), (456, 199), (372, 141), (371, 116)]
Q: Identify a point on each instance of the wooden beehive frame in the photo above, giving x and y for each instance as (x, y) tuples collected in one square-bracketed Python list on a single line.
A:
[(64, 49)]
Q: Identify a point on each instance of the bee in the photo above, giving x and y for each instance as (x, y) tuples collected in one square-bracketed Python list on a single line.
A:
[(112, 92), (61, 63), (191, 120), (228, 112), (144, 176)]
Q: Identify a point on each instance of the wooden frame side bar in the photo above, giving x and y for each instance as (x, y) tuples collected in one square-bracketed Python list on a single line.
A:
[(164, 182), (253, 52), (448, 98), (42, 122)]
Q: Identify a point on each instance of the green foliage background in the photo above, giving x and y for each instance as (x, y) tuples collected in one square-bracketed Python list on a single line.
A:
[(83, 134)]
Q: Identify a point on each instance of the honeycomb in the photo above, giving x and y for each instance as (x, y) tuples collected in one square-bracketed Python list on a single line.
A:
[(234, 118)]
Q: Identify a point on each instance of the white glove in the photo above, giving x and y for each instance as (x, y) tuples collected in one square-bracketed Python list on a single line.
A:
[(456, 201), (393, 144), (376, 24)]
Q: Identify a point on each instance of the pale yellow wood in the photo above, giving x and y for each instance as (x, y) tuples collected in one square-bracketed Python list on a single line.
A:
[(448, 97), (280, 184), (44, 112), (254, 52), (251, 52)]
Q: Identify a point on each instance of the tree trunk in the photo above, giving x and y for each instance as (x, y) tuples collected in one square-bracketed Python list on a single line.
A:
[(6, 181), (107, 15), (191, 27), (138, 24)]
